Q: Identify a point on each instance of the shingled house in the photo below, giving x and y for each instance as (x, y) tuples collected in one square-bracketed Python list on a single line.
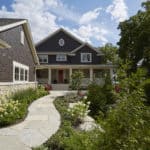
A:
[(18, 57), (61, 53)]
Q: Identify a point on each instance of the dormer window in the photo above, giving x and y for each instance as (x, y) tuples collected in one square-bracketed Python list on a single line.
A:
[(61, 57), (43, 58), (22, 37), (86, 57)]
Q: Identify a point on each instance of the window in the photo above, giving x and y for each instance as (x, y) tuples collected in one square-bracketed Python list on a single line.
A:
[(43, 58), (61, 57), (20, 72), (22, 37), (86, 57)]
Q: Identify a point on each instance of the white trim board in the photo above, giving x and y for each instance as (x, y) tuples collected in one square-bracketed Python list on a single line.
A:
[(12, 25)]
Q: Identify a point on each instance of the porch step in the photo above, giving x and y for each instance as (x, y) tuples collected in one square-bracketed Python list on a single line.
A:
[(60, 87)]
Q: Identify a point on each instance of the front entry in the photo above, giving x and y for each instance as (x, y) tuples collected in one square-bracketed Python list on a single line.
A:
[(60, 76)]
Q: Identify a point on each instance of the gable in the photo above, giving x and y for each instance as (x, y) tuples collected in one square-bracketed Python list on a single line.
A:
[(61, 41)]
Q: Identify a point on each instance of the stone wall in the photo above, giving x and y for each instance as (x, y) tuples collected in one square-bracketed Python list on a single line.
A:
[(9, 88)]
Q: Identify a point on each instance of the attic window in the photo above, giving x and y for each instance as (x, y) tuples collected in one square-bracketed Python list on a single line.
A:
[(86, 57), (22, 37)]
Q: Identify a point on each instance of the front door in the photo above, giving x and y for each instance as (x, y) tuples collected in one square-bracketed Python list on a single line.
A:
[(60, 76)]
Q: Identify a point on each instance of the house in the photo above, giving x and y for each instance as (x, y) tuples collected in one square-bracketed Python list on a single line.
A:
[(61, 53), (18, 58)]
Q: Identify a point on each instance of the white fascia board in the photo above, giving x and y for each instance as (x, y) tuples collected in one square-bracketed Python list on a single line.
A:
[(6, 27)]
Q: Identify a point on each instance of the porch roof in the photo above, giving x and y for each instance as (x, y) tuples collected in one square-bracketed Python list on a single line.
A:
[(76, 66)]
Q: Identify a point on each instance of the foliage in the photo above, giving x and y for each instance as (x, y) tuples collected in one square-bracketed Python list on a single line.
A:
[(146, 86), (78, 111), (134, 43), (76, 80), (9, 110), (110, 52), (100, 97), (15, 108), (127, 124)]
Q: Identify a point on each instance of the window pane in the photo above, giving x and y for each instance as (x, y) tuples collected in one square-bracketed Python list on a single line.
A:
[(61, 57), (86, 57), (26, 75), (16, 73), (21, 74)]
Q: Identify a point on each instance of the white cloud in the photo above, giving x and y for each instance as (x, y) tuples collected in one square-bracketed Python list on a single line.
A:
[(89, 16), (41, 20), (118, 10), (87, 33), (43, 16)]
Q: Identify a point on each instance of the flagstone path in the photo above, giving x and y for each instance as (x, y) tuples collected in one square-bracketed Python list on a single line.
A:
[(42, 122)]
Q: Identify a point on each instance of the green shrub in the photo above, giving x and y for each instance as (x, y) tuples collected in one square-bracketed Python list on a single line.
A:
[(147, 90), (127, 126), (76, 80), (78, 112), (100, 97)]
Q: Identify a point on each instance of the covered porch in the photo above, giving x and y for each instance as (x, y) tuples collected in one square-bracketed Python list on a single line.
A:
[(60, 77)]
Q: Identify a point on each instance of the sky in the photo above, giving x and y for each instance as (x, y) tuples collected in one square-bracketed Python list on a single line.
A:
[(93, 21)]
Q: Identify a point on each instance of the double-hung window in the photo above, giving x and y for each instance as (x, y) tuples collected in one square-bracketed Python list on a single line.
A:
[(43, 58), (20, 72), (86, 57), (61, 57)]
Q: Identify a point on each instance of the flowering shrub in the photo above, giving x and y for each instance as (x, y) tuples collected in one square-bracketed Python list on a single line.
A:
[(78, 111), (9, 110), (15, 108)]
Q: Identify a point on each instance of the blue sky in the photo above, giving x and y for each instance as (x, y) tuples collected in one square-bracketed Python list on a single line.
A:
[(93, 21)]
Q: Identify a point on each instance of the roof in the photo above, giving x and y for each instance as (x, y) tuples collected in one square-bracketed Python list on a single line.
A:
[(49, 45), (8, 23)]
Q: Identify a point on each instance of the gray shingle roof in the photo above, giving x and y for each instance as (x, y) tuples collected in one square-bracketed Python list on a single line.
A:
[(7, 21)]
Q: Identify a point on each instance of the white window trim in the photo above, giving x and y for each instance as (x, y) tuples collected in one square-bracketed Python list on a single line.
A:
[(22, 37), (46, 56), (86, 54), (58, 57), (20, 66)]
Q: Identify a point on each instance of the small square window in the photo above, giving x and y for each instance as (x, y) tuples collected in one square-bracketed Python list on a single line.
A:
[(43, 58), (61, 57), (86, 57)]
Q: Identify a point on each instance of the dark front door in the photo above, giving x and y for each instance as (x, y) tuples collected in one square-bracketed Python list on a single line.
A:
[(60, 76)]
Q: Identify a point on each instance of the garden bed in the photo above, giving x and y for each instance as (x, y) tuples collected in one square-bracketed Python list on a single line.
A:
[(15, 108), (69, 136)]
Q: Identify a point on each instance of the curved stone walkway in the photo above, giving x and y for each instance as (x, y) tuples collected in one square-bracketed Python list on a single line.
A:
[(42, 122)]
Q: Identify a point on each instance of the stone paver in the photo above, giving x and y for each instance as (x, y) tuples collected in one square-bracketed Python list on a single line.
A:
[(42, 122)]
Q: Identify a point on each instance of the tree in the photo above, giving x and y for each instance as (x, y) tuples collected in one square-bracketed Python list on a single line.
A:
[(134, 43), (76, 80), (110, 53)]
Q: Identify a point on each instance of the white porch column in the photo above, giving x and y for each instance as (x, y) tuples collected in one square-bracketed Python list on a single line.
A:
[(70, 73), (111, 74), (91, 74), (49, 75)]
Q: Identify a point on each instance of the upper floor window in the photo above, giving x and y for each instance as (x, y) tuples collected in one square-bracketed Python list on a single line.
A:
[(20, 72), (86, 57), (43, 58), (22, 37), (61, 57)]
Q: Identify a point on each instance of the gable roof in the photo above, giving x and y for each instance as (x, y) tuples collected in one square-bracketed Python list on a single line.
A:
[(6, 24), (57, 31), (88, 45), (51, 42)]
